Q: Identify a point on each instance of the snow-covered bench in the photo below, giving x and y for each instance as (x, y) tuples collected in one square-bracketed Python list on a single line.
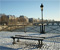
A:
[(39, 39)]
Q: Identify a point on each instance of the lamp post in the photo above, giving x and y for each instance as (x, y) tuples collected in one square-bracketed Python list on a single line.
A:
[(42, 26)]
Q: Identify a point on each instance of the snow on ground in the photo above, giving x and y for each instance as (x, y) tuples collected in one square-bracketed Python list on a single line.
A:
[(48, 44)]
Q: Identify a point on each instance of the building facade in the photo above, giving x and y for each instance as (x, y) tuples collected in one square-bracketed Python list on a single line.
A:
[(33, 20), (24, 19)]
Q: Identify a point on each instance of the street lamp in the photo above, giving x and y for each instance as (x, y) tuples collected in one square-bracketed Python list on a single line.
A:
[(42, 26)]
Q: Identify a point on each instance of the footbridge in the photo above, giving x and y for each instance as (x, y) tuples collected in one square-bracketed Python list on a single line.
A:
[(49, 23)]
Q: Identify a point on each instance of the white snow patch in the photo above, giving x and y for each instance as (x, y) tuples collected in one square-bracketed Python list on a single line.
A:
[(6, 41)]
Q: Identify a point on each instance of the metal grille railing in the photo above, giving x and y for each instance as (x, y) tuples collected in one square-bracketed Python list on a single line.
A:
[(24, 28)]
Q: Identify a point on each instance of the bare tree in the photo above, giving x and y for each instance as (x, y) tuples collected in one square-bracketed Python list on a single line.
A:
[(4, 19)]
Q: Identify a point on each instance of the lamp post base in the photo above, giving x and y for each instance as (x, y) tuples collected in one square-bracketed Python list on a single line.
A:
[(42, 32)]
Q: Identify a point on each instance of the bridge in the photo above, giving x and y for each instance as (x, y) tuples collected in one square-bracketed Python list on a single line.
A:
[(49, 23), (36, 27)]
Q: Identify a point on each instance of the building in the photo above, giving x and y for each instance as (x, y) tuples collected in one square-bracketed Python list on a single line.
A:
[(24, 19), (11, 17), (33, 20)]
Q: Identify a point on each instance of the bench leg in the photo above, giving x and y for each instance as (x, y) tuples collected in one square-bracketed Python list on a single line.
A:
[(40, 43), (18, 40), (13, 41)]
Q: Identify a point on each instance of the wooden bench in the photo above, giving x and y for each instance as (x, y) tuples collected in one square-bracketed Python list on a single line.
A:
[(39, 39)]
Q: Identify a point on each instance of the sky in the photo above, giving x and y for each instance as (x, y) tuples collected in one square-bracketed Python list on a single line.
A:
[(31, 8)]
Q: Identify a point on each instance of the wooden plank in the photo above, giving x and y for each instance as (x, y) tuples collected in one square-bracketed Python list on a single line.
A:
[(29, 38)]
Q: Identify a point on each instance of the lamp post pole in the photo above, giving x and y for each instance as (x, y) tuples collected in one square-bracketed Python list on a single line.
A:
[(42, 26)]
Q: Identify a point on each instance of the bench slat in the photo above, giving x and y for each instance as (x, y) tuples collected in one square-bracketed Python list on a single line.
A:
[(28, 36)]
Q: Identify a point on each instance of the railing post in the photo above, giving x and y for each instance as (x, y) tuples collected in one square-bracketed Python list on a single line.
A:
[(24, 29), (40, 28), (44, 28)]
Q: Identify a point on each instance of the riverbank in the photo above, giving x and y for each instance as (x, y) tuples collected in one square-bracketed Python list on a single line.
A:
[(12, 27), (9, 28)]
